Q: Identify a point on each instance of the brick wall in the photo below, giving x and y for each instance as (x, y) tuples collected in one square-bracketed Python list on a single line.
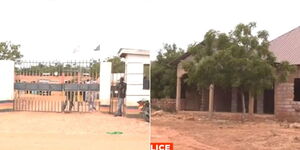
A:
[(285, 106), (164, 104)]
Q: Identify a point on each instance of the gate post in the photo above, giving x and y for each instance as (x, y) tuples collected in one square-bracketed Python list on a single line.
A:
[(137, 77), (105, 85), (6, 85)]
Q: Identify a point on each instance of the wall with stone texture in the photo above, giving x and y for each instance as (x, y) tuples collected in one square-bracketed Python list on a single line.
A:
[(285, 106)]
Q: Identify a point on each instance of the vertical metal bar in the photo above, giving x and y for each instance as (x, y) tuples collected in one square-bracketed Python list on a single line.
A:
[(50, 108), (33, 105), (29, 105), (15, 103), (25, 104), (48, 103), (55, 108), (42, 105), (19, 104), (22, 104), (86, 106), (39, 105), (59, 105)]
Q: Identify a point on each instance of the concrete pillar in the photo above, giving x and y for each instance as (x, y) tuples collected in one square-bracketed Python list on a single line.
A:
[(7, 78), (234, 99), (260, 103), (211, 100), (178, 94), (105, 86)]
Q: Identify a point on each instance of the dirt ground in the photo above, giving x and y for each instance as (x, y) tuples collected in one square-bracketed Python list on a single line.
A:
[(71, 131), (194, 131)]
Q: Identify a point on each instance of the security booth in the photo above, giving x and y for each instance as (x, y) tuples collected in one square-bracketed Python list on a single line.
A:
[(137, 77)]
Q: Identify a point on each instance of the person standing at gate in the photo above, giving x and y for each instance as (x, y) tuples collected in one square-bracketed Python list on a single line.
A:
[(121, 87), (90, 97)]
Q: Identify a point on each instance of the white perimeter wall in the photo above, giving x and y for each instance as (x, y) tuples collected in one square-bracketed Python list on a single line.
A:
[(6, 80), (134, 73), (105, 83)]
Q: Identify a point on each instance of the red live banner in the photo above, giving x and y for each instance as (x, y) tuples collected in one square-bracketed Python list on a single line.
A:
[(161, 146)]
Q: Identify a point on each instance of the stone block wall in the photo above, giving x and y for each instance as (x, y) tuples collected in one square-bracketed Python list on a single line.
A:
[(285, 106), (164, 104)]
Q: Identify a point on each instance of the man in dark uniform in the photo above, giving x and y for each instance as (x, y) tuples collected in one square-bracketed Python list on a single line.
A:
[(121, 87)]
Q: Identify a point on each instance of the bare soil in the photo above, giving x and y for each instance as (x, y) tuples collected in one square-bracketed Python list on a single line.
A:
[(194, 131), (71, 131)]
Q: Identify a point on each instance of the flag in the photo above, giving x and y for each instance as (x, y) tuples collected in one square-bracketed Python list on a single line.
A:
[(97, 48), (77, 49)]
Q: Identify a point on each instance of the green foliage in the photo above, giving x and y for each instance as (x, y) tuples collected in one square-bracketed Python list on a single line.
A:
[(9, 51), (68, 68), (95, 68), (163, 75), (237, 59), (118, 66)]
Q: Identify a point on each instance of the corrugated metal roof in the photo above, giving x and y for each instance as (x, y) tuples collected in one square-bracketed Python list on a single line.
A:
[(124, 51), (287, 47)]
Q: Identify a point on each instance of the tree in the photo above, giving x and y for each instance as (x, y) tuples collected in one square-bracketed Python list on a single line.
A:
[(117, 65), (163, 75), (238, 59), (9, 51)]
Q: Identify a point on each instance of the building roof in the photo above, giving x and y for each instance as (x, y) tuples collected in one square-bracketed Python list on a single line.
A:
[(182, 57), (125, 51), (287, 47)]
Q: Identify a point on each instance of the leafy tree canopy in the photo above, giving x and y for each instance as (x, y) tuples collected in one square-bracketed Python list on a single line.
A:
[(163, 75), (118, 66), (9, 51), (236, 59)]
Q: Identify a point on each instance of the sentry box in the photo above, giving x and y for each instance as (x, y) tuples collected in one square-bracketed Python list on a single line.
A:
[(137, 77)]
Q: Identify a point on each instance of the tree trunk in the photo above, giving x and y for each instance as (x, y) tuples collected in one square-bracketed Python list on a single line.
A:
[(251, 104), (202, 100), (178, 94), (244, 106), (211, 100)]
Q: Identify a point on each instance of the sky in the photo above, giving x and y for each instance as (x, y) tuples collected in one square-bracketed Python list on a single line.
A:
[(72, 29)]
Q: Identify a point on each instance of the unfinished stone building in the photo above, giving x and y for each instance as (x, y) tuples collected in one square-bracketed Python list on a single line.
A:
[(283, 100)]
